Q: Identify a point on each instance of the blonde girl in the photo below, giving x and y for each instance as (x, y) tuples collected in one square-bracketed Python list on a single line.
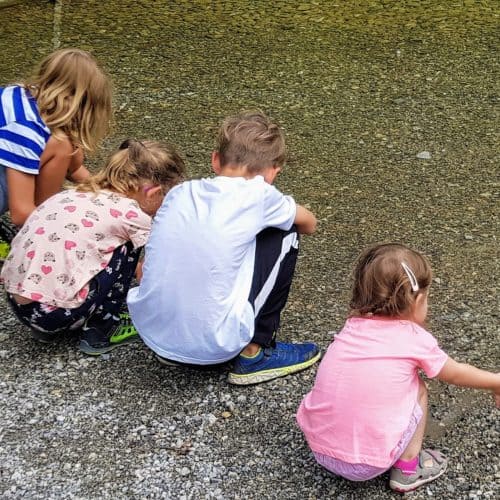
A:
[(71, 264), (367, 410), (46, 125)]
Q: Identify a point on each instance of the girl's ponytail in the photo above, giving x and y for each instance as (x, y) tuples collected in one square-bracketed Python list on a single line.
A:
[(136, 163)]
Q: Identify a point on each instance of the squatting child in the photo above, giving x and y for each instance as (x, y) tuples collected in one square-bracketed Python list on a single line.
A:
[(366, 412), (220, 261), (71, 264), (46, 124)]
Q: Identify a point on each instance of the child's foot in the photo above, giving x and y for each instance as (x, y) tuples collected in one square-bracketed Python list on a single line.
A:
[(431, 465), (273, 362), (46, 337), (95, 341), (167, 362)]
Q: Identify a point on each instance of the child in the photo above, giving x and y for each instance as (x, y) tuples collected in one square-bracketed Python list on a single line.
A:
[(72, 262), (220, 262), (46, 124), (367, 410)]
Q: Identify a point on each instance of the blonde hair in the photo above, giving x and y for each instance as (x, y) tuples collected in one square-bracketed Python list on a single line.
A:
[(73, 95), (252, 140), (136, 163), (387, 280)]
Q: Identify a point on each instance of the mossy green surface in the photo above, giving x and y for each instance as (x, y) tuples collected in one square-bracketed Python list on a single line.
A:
[(361, 89)]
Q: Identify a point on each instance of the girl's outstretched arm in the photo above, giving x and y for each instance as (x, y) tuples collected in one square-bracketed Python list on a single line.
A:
[(465, 375)]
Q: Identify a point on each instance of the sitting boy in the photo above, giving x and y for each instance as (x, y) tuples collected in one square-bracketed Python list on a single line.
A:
[(220, 261)]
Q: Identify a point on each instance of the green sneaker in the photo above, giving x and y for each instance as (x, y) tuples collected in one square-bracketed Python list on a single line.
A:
[(7, 233), (95, 341), (4, 250), (125, 330)]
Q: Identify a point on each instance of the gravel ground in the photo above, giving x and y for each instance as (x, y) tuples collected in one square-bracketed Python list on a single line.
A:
[(391, 116)]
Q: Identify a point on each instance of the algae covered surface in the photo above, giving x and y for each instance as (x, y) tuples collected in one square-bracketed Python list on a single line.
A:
[(391, 116)]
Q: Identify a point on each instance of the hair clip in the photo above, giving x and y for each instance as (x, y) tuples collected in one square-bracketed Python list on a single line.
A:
[(411, 276)]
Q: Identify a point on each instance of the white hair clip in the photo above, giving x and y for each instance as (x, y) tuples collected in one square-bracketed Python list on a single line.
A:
[(411, 276)]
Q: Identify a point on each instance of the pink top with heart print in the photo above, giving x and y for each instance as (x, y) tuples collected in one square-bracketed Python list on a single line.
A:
[(67, 241)]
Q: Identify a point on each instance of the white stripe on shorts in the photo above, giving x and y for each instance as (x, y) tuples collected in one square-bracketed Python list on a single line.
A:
[(289, 241)]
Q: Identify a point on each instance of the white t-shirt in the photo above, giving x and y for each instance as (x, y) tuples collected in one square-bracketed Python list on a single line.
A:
[(192, 304)]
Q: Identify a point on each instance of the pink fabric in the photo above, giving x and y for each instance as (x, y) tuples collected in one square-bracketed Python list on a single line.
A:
[(364, 472), (67, 241), (407, 467), (366, 388)]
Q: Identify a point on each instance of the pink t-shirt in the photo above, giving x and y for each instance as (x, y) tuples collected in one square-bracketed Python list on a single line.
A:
[(67, 241), (366, 388)]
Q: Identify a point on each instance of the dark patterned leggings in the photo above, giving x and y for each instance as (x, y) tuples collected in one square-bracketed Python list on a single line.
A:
[(7, 229), (107, 294)]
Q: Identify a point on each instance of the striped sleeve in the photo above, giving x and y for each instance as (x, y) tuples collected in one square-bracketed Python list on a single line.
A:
[(23, 135)]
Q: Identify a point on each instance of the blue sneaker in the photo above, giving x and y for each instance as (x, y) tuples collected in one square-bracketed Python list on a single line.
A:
[(273, 362)]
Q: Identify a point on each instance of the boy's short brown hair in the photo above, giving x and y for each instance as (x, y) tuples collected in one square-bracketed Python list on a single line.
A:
[(252, 140)]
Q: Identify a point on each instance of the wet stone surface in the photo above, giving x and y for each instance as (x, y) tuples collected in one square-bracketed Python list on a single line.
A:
[(391, 116)]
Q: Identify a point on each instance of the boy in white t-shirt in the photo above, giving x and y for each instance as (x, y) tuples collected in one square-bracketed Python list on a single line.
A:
[(220, 262)]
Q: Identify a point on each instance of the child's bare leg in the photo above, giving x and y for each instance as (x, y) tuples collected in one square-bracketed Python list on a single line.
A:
[(415, 445), (251, 349), (416, 466)]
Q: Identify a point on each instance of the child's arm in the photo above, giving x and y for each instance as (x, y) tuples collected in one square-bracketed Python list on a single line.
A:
[(27, 191), (305, 220), (465, 375), (58, 159), (78, 175), (77, 172), (138, 270), (21, 189)]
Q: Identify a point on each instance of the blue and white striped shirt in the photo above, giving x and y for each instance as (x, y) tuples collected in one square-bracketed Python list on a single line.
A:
[(23, 134)]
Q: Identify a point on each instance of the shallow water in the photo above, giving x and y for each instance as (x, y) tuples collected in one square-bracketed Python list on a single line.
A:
[(361, 89)]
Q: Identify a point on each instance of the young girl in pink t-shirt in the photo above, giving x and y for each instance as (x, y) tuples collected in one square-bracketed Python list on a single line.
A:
[(71, 264), (367, 410)]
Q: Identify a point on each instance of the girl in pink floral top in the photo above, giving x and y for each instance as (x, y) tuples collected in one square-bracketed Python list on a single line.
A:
[(71, 264)]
